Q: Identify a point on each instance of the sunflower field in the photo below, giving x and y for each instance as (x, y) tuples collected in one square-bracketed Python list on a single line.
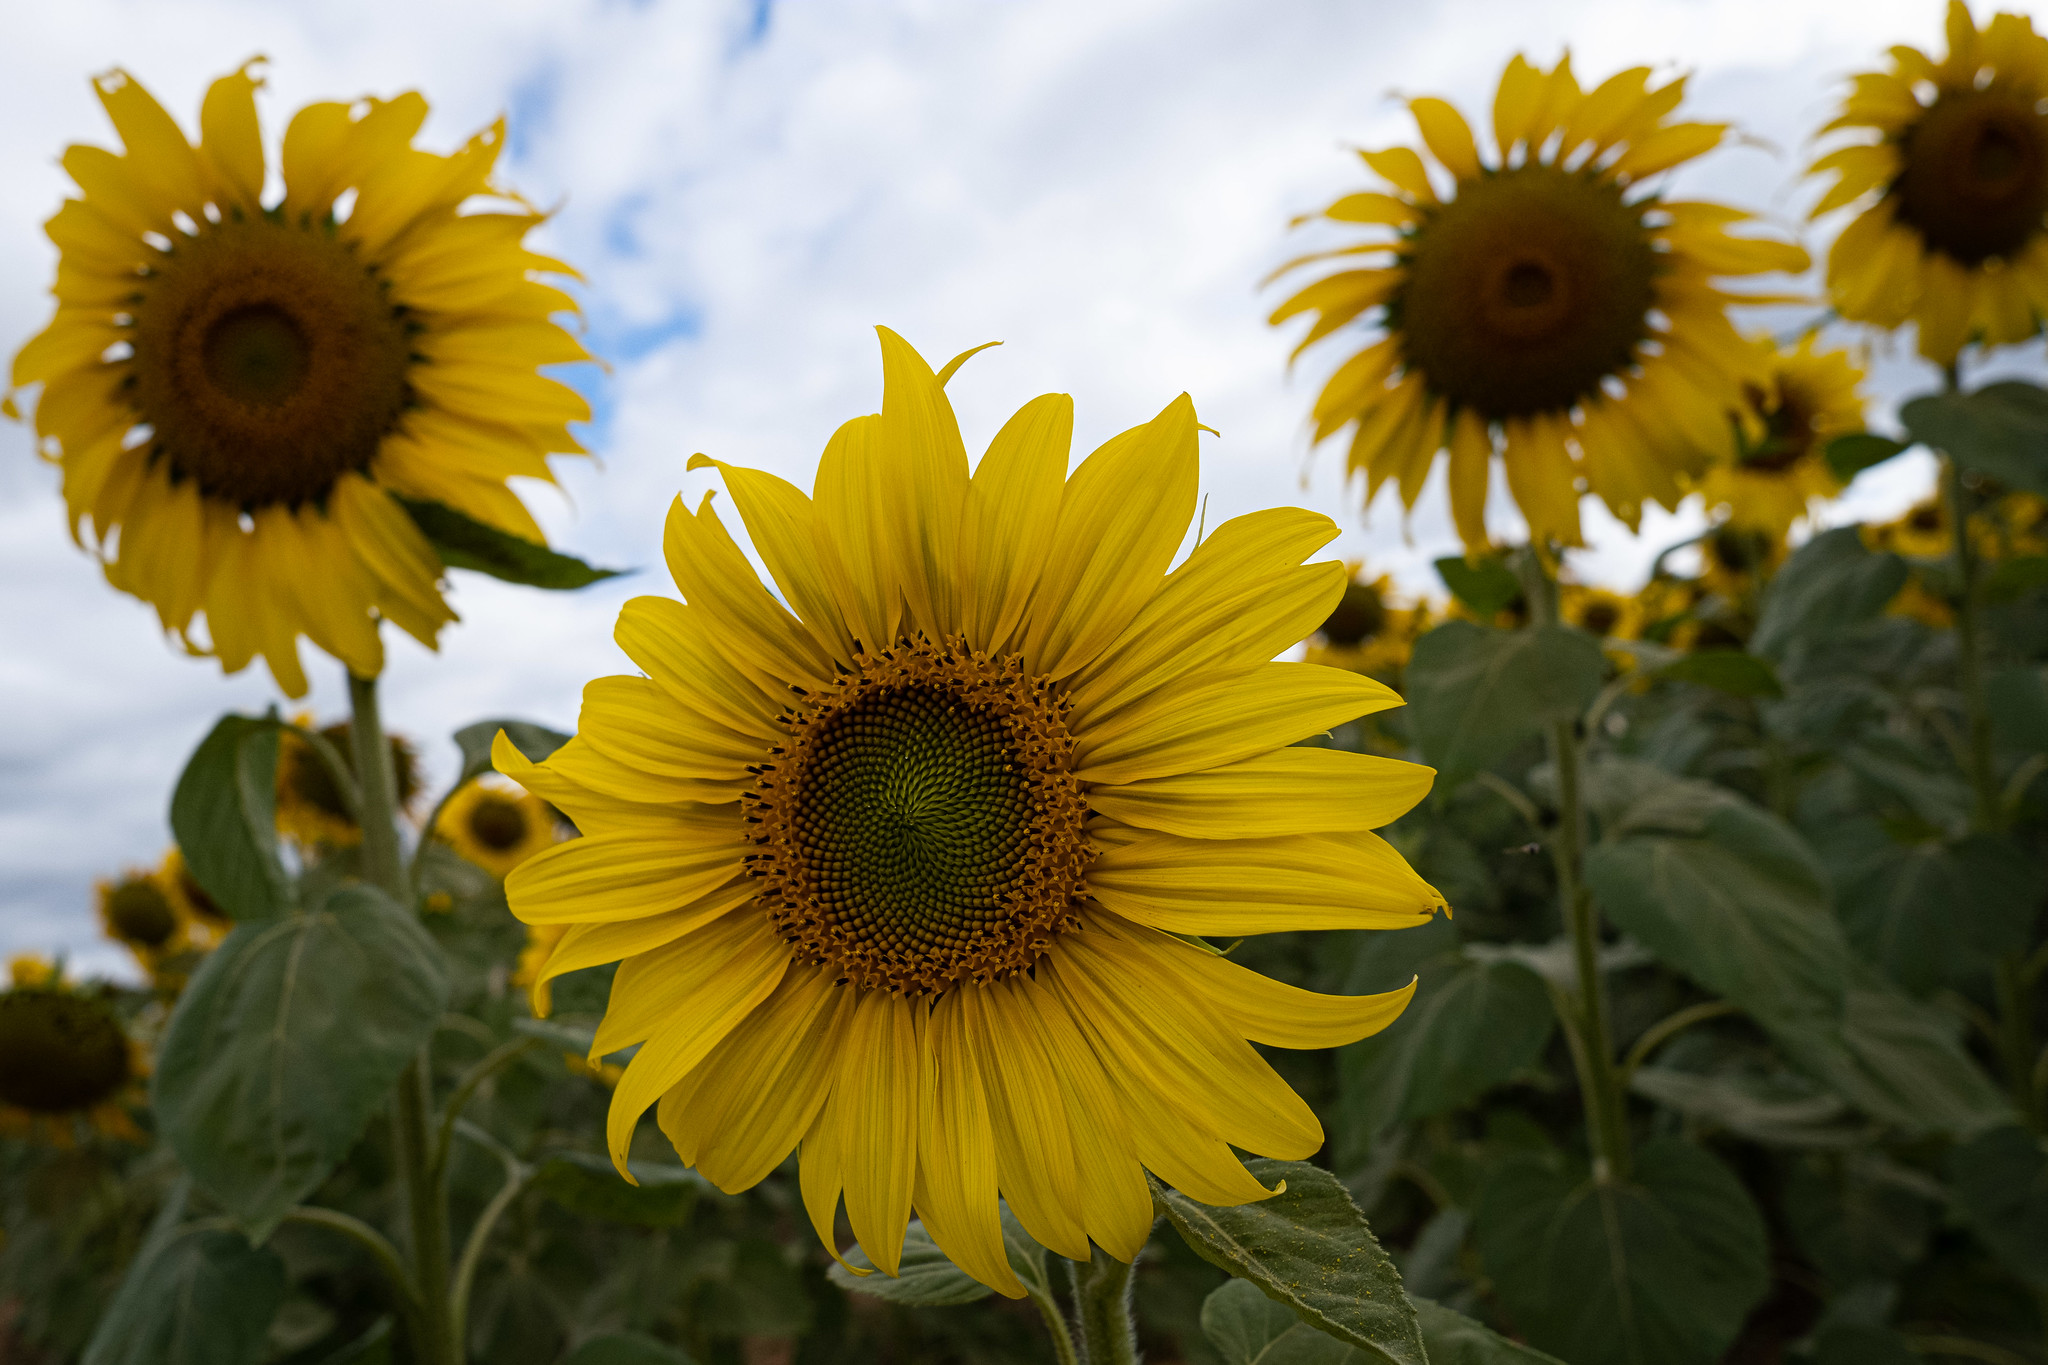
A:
[(1008, 915)]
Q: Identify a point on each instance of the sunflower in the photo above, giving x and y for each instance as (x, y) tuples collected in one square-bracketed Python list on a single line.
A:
[(1779, 466), (206, 924), (64, 1059), (496, 826), (1368, 632), (1600, 611), (913, 872), (240, 387), (1953, 191), (1547, 308), (310, 807), (139, 914), (1922, 531)]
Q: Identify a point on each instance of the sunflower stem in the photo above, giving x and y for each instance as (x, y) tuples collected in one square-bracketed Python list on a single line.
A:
[(1599, 1078), (1102, 1302), (1055, 1323), (1969, 659), (423, 1190)]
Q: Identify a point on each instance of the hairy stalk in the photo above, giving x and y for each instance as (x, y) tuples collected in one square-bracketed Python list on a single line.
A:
[(1102, 1302), (1055, 1323), (1606, 1112), (412, 1102)]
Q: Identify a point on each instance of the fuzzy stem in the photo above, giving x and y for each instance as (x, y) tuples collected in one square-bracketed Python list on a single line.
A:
[(1102, 1302)]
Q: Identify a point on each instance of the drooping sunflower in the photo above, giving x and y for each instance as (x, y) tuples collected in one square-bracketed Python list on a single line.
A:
[(496, 826), (139, 914), (239, 386), (912, 871), (310, 807), (1778, 467), (65, 1060), (1546, 307), (1953, 229)]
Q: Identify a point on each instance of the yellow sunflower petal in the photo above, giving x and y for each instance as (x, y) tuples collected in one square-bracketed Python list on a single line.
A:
[(878, 1101), (849, 498), (1403, 169), (955, 1191), (621, 876), (753, 629), (672, 645), (1520, 94), (1033, 1141), (231, 139), (1287, 791), (1448, 136), (1012, 515), (925, 466)]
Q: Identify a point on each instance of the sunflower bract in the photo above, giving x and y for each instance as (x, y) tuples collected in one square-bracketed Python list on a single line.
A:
[(1953, 193), (898, 861), (236, 385), (1545, 308)]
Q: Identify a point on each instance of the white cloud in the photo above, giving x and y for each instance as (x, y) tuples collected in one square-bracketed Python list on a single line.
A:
[(1099, 185)]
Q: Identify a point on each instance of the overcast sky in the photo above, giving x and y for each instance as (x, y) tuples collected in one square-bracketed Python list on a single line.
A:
[(749, 189)]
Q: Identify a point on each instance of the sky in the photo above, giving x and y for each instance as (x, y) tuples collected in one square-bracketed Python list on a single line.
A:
[(748, 188)]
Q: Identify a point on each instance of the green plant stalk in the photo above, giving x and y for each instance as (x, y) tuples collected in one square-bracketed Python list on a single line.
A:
[(1055, 1324), (1988, 806), (1599, 1078), (411, 1102), (1102, 1302)]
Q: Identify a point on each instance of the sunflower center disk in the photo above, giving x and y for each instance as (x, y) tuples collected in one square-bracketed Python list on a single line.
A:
[(1788, 433), (1976, 177), (58, 1053), (269, 361), (497, 823), (1526, 291), (923, 825), (140, 913)]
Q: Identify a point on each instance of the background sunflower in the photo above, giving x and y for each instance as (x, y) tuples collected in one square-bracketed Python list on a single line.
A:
[(1547, 307), (238, 385)]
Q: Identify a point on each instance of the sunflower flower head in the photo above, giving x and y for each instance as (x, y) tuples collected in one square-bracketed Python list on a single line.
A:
[(1600, 611), (65, 1059), (1369, 631), (496, 825), (205, 923), (1777, 466), (1951, 231), (137, 912), (310, 806), (1546, 307), (239, 383), (912, 871)]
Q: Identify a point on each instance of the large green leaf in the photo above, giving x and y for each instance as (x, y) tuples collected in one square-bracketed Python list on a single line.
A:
[(1309, 1248), (1850, 455), (2000, 430), (925, 1276), (1832, 584), (224, 817), (1859, 1216), (1942, 914), (1659, 1270), (1741, 907), (763, 1296), (1725, 670), (535, 741), (2001, 1186), (1470, 1027), (1247, 1328), (1784, 1110), (591, 1186), (2018, 701), (466, 543), (1474, 693), (190, 1297), (285, 1044)]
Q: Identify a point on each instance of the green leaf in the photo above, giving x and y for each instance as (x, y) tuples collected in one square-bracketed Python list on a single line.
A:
[(1850, 455), (1309, 1248), (1860, 1217), (925, 1276), (190, 1298), (2018, 701), (2011, 579), (1852, 1343), (535, 741), (224, 817), (1470, 1027), (2000, 430), (1902, 911), (1725, 670), (1242, 1323), (1778, 1110), (1831, 585), (625, 1348), (1659, 1270), (1488, 586), (1742, 909), (591, 1186), (2001, 1187), (1454, 1339), (466, 543), (285, 1044), (1476, 693)]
